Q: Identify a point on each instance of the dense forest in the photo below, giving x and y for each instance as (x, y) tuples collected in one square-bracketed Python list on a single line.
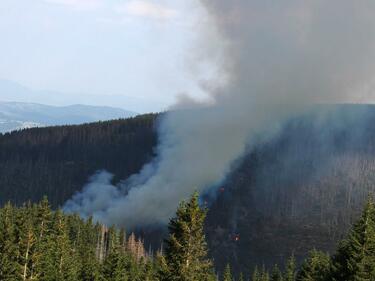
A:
[(57, 161), (37, 243), (301, 189)]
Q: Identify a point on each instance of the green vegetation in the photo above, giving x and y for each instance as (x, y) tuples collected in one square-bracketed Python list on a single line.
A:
[(37, 243), (57, 161), (298, 191)]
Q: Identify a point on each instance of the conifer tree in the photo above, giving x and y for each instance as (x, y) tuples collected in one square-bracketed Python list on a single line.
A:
[(227, 276), (44, 217), (290, 271), (8, 247), (67, 260), (315, 268), (355, 258), (276, 274), (241, 278), (264, 274), (113, 266), (186, 252), (149, 271), (58, 261), (25, 238), (256, 276), (89, 270)]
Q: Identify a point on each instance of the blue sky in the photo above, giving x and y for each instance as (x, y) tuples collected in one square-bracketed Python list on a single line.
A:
[(99, 49)]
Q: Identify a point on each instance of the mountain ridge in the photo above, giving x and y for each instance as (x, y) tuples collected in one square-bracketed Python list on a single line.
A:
[(18, 115)]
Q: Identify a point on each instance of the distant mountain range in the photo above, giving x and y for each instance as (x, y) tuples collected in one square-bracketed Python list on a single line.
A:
[(17, 115), (11, 91)]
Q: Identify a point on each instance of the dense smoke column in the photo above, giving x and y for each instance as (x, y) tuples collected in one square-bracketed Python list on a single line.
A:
[(278, 60)]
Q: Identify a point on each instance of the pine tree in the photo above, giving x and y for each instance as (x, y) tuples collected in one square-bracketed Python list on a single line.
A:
[(113, 266), (315, 268), (276, 274), (89, 270), (160, 266), (186, 252), (68, 264), (227, 273), (8, 247), (290, 271), (355, 257), (241, 278), (264, 275), (149, 271), (44, 217), (27, 255), (256, 276)]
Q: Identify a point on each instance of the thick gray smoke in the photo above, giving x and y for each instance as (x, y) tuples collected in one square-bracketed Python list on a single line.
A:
[(279, 58)]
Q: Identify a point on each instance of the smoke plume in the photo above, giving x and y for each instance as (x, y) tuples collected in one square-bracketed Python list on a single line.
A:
[(278, 59)]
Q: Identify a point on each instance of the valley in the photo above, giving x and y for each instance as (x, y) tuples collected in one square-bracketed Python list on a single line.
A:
[(300, 190)]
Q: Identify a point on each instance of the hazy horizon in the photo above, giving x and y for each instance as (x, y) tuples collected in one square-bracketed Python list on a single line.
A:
[(133, 54)]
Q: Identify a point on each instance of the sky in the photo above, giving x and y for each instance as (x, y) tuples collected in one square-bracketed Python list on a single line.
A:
[(102, 51)]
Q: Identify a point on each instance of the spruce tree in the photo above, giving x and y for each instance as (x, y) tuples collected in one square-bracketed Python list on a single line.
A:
[(355, 257), (86, 240), (28, 257), (290, 271), (256, 276), (186, 251), (8, 248), (58, 261), (114, 267), (227, 276), (315, 268), (264, 274), (276, 274)]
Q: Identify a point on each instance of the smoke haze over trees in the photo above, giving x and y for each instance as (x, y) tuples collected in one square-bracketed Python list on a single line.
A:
[(308, 182), (276, 61)]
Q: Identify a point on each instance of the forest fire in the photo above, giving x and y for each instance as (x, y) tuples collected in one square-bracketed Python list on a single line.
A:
[(236, 237)]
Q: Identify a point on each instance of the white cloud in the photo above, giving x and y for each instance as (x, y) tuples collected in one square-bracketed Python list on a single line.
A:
[(147, 9), (78, 4)]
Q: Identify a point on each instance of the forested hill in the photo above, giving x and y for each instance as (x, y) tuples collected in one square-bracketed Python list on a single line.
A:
[(57, 161), (299, 190)]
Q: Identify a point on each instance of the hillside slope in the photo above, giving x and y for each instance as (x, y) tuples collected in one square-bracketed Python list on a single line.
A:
[(299, 190), (57, 161)]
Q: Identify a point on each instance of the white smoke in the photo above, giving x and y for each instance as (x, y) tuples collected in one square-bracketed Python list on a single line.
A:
[(278, 59)]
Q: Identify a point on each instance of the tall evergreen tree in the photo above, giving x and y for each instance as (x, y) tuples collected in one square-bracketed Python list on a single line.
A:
[(227, 276), (276, 274), (28, 257), (355, 258), (59, 261), (315, 268), (114, 266), (290, 270), (186, 252), (87, 237), (256, 276), (264, 275), (8, 246)]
